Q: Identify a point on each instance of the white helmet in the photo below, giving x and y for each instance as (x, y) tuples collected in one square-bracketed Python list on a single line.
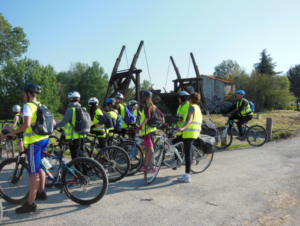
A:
[(132, 102), (183, 93), (16, 108), (74, 94), (93, 101), (118, 95)]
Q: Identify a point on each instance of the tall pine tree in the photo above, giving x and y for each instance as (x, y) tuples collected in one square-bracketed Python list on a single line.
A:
[(266, 66)]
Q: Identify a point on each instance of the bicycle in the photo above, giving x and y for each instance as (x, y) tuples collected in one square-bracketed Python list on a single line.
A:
[(80, 177), (255, 135), (9, 147), (200, 160)]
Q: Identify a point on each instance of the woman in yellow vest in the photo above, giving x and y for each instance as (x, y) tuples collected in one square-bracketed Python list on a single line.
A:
[(190, 131), (182, 112), (96, 115), (147, 130), (18, 121)]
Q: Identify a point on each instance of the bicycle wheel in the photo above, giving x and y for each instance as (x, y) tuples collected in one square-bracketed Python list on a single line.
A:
[(116, 162), (256, 135), (200, 160), (154, 162), (52, 146), (1, 211), (225, 140), (14, 189), (88, 185), (135, 155), (10, 149)]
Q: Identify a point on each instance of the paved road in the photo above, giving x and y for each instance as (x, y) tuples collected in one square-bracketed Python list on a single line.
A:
[(253, 186)]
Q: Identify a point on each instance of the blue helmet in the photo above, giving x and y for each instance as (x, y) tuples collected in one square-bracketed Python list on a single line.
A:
[(241, 92), (110, 101)]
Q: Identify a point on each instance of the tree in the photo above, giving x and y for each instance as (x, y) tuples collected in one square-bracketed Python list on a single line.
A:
[(266, 66), (228, 68), (293, 75), (16, 73), (13, 41), (146, 85)]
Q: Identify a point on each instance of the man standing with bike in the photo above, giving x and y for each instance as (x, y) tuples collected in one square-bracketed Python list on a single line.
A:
[(242, 112), (34, 145)]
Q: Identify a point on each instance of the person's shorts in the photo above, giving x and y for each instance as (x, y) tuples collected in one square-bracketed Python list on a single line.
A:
[(148, 140), (34, 155)]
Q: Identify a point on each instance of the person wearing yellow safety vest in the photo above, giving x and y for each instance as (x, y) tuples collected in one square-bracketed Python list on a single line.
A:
[(34, 145), (242, 112), (146, 130), (97, 118), (18, 121), (182, 113), (109, 108), (120, 107), (68, 122), (134, 105), (190, 131)]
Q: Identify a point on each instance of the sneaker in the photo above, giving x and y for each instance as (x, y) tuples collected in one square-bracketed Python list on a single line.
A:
[(184, 179), (26, 208), (152, 170), (241, 138), (143, 168), (173, 165), (41, 196)]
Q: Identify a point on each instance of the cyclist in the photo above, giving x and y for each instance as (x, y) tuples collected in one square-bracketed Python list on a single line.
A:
[(120, 106), (34, 144), (190, 131), (109, 108), (69, 122), (97, 117), (134, 105), (242, 112), (18, 121), (147, 130), (182, 112)]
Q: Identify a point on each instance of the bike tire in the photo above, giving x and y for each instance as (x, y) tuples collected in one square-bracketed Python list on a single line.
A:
[(137, 158), (92, 174), (10, 149), (1, 211), (156, 160), (115, 160), (199, 157), (223, 139), (14, 192), (257, 131)]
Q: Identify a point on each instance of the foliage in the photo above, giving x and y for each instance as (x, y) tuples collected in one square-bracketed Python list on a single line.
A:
[(266, 66), (16, 73), (89, 81), (228, 69), (146, 85), (13, 41), (293, 75)]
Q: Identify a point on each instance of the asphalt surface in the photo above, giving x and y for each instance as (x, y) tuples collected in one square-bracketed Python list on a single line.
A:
[(251, 186)]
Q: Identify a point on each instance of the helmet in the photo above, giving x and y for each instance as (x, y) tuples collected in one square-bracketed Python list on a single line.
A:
[(93, 101), (184, 96), (147, 93), (132, 102), (111, 101), (241, 92), (73, 94), (16, 108), (32, 87), (118, 95)]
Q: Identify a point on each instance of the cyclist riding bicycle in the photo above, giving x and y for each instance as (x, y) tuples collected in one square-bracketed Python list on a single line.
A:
[(242, 112), (18, 121), (34, 145)]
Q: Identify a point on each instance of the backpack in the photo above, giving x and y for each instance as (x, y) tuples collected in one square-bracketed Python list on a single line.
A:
[(119, 122), (82, 121), (155, 118), (44, 120), (20, 121), (252, 106), (110, 122), (129, 115)]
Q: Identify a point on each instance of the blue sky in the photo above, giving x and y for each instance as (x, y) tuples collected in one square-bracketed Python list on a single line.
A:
[(64, 32)]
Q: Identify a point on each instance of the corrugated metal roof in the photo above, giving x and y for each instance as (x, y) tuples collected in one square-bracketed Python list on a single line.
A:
[(218, 78)]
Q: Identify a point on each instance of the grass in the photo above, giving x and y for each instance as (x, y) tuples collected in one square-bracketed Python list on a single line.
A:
[(282, 120)]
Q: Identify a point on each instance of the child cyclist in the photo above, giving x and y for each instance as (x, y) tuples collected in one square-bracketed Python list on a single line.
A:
[(146, 130), (18, 121)]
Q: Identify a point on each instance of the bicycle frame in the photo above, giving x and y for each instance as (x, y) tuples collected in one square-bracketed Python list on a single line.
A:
[(166, 142), (232, 123)]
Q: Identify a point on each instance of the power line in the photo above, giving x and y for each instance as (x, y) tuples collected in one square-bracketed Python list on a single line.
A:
[(167, 74)]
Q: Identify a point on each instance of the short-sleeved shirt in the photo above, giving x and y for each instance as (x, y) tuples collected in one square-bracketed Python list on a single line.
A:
[(191, 109), (27, 110)]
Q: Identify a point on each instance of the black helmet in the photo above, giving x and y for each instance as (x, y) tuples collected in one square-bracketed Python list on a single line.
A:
[(147, 93), (32, 87)]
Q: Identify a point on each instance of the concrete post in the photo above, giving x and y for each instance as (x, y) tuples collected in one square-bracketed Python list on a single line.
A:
[(258, 116), (269, 128)]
